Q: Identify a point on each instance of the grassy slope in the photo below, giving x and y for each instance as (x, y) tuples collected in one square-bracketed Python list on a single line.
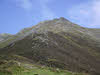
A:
[(13, 67)]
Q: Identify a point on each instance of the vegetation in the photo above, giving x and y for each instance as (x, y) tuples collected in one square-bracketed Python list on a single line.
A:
[(18, 68)]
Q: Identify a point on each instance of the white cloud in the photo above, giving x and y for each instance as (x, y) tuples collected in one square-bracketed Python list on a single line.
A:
[(87, 14), (96, 12), (26, 4), (45, 10)]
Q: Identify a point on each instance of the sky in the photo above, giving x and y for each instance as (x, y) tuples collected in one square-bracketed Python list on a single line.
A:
[(18, 14)]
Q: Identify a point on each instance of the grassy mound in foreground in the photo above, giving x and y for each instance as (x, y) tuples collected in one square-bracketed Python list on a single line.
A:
[(17, 68)]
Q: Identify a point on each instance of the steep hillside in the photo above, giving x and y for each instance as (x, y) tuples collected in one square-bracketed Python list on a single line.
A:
[(60, 44)]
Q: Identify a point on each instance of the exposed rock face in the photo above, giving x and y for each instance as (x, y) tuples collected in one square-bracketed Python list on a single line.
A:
[(59, 43)]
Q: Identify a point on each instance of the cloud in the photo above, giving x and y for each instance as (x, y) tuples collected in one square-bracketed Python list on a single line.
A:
[(96, 12), (41, 5), (26, 4), (86, 13), (46, 12)]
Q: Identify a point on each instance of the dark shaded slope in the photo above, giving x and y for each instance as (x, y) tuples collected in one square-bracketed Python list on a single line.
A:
[(62, 50), (95, 33)]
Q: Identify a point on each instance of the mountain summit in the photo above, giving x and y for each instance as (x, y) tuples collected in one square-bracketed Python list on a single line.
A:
[(57, 43)]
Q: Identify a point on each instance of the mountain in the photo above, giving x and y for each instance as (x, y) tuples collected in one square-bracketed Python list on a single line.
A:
[(56, 43)]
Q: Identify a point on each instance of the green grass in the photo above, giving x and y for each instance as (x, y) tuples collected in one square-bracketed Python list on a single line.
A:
[(39, 71), (12, 68), (4, 73)]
